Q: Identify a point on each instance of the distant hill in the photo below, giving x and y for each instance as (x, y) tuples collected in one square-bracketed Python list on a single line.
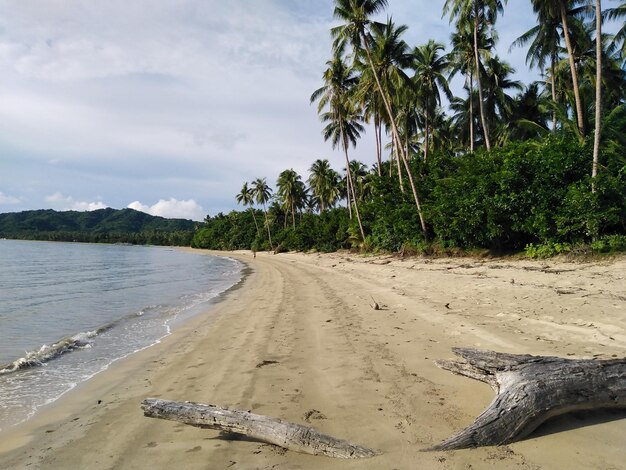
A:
[(103, 225)]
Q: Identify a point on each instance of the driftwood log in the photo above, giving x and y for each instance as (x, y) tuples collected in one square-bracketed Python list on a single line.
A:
[(263, 428), (530, 390)]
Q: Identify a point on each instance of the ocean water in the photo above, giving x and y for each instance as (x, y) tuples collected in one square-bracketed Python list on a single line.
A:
[(68, 310)]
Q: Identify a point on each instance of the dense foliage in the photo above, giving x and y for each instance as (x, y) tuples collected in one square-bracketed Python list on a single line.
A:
[(100, 226), (521, 194)]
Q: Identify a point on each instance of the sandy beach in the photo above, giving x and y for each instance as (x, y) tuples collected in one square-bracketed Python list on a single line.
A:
[(335, 363)]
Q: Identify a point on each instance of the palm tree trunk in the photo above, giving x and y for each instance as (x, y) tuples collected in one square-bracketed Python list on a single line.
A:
[(478, 81), (394, 131), (553, 85), (572, 67), (293, 216), (351, 191), (254, 218), (427, 135), (596, 137), (394, 147), (267, 224), (378, 135), (471, 110)]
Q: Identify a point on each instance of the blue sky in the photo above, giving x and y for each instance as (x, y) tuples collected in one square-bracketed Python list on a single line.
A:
[(169, 106)]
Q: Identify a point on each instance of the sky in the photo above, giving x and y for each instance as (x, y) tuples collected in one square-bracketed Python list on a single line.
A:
[(169, 106)]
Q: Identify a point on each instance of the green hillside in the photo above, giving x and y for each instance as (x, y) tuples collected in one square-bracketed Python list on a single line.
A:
[(103, 225)]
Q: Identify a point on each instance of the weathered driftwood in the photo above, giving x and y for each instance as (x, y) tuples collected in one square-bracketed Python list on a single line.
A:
[(263, 428), (530, 390)]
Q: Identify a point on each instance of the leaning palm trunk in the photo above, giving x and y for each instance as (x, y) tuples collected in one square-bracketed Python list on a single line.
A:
[(479, 84), (394, 131), (255, 222), (572, 67), (596, 137), (351, 191)]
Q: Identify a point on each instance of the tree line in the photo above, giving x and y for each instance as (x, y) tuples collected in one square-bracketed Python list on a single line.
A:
[(99, 226), (506, 165)]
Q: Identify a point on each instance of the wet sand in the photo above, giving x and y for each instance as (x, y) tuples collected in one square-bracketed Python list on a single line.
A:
[(369, 374)]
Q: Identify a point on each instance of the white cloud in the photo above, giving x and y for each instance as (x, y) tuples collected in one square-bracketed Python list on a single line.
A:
[(67, 203), (172, 209), (8, 199)]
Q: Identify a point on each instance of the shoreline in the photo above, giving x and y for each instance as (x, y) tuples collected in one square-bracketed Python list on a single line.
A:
[(369, 374), (24, 429)]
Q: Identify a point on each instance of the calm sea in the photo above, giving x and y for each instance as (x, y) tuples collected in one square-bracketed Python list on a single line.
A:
[(68, 310)]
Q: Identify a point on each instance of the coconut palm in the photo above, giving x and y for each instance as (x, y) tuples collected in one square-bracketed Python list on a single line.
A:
[(476, 12), (620, 37), (499, 104), (246, 198), (342, 118), (291, 193), (324, 184), (463, 60), (355, 30), (262, 195), (598, 117), (560, 11), (429, 80), (544, 46)]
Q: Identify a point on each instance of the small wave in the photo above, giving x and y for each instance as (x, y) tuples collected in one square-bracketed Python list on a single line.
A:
[(47, 353)]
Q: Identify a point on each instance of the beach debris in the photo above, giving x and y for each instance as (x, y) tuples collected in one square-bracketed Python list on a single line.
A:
[(530, 390), (313, 414), (375, 306), (281, 433), (265, 363)]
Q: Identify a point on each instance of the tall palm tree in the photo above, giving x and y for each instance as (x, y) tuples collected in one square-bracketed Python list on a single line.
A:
[(598, 118), (560, 10), (499, 103), (356, 14), (545, 42), (262, 195), (246, 198), (291, 193), (324, 183), (342, 116), (430, 81), (462, 60), (477, 12)]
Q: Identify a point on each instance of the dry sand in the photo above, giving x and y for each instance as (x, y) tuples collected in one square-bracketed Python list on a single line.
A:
[(369, 373)]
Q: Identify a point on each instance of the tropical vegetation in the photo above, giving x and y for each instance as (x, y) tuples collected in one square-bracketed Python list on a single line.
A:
[(503, 165)]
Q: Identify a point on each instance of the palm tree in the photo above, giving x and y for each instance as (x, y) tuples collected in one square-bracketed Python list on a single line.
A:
[(559, 11), (246, 198), (356, 30), (544, 45), (291, 193), (262, 194), (476, 11), (429, 80), (343, 118), (324, 184), (620, 36), (462, 60), (598, 118), (499, 104)]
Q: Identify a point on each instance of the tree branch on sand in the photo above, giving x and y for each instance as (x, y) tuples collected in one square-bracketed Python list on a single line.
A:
[(289, 436), (530, 390)]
